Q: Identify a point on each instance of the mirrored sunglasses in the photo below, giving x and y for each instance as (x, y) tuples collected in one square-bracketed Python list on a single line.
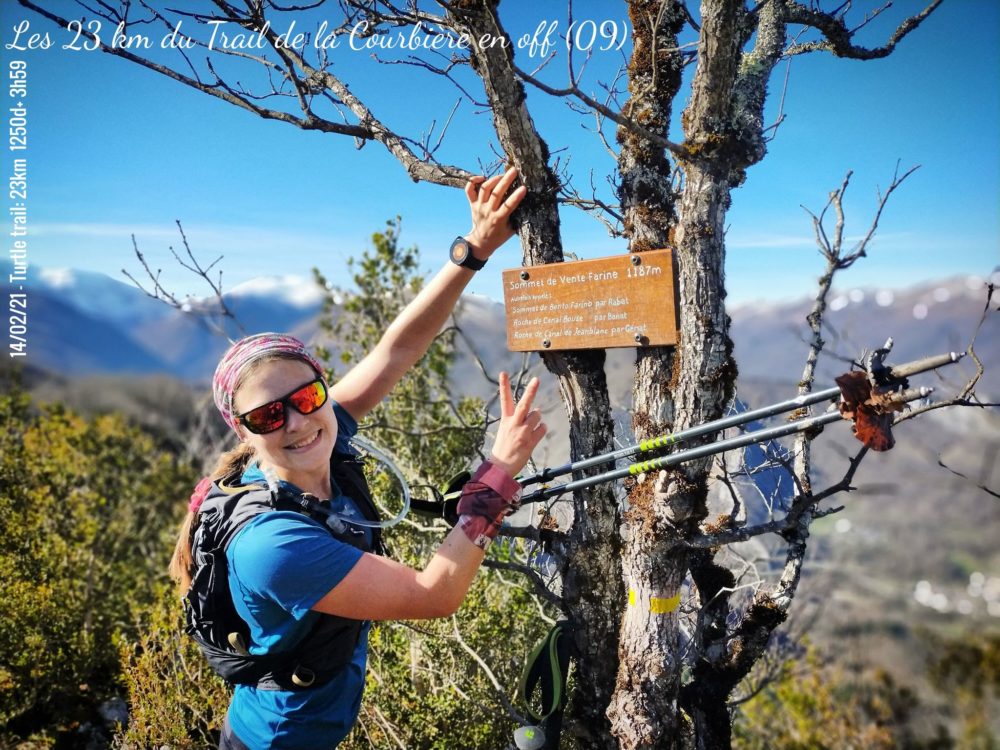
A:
[(271, 416)]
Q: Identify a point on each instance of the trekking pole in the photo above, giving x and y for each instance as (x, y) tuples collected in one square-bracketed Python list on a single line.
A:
[(653, 444), (702, 451), (446, 501), (663, 441)]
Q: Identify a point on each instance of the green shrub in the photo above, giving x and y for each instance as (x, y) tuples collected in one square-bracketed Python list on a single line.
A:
[(86, 509), (424, 690), (811, 705), (175, 698)]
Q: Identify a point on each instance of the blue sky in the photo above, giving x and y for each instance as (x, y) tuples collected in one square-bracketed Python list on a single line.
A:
[(117, 150)]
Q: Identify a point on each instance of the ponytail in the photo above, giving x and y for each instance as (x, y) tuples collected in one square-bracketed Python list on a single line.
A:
[(230, 463)]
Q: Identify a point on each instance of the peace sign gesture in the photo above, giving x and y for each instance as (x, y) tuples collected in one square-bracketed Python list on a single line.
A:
[(521, 427)]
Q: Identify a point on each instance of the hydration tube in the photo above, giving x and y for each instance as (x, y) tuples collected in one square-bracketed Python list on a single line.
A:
[(335, 519)]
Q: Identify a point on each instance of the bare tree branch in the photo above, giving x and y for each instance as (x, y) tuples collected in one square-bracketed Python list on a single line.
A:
[(574, 90), (532, 575), (226, 94), (192, 264), (838, 39)]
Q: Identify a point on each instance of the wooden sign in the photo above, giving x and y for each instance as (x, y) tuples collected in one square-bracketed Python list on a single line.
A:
[(623, 300)]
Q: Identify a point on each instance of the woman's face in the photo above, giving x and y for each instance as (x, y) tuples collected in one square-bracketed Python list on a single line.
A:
[(299, 451)]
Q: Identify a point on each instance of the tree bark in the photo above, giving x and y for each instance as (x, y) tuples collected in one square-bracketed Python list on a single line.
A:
[(622, 572), (592, 590), (724, 134), (643, 710)]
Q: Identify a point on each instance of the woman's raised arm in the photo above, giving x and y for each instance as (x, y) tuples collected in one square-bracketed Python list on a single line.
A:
[(410, 334)]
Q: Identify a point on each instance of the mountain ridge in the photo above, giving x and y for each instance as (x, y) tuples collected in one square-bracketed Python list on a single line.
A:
[(82, 322)]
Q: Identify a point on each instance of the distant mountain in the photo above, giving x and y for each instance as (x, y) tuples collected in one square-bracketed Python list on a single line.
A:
[(97, 295), (771, 341), (65, 339), (190, 340), (84, 322), (911, 524)]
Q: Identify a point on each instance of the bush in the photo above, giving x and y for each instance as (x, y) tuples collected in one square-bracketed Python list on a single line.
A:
[(810, 705), (175, 697), (424, 690), (86, 511)]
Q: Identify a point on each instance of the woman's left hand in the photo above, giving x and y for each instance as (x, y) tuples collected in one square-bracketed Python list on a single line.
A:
[(490, 211)]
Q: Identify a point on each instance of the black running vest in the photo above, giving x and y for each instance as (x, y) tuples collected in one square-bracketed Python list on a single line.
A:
[(211, 617)]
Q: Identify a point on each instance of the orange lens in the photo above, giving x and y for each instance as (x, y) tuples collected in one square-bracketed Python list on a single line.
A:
[(271, 416), (264, 419), (309, 398)]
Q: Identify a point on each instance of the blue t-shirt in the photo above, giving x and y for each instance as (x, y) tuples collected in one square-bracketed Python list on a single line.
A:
[(280, 564)]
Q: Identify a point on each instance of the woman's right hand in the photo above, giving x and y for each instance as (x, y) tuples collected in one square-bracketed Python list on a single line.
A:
[(521, 428)]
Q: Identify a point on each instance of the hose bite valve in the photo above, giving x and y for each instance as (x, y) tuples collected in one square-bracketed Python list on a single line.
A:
[(529, 738)]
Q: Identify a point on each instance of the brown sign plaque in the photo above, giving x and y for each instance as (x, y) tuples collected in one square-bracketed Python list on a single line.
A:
[(623, 300)]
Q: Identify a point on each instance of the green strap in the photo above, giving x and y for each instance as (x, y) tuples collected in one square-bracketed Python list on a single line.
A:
[(546, 668)]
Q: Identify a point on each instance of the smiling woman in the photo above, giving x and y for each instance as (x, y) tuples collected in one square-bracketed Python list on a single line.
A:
[(281, 567)]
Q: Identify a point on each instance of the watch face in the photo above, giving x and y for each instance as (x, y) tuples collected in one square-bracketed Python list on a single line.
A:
[(459, 251)]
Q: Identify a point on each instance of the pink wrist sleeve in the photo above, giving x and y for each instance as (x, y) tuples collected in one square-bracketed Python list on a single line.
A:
[(486, 499)]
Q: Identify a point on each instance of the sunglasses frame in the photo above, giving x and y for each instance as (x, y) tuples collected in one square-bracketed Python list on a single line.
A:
[(286, 404)]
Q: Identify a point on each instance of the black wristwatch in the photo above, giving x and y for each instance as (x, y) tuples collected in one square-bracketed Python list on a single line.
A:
[(461, 254)]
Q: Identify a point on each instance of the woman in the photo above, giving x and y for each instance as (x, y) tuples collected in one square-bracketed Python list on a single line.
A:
[(291, 577)]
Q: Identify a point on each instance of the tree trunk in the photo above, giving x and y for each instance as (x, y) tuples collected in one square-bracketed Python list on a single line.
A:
[(723, 126), (592, 590), (643, 710)]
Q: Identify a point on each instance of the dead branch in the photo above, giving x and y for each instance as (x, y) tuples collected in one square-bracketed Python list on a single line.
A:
[(959, 474), (838, 38), (574, 90), (538, 583), (225, 93), (497, 687), (307, 81), (192, 264), (966, 395)]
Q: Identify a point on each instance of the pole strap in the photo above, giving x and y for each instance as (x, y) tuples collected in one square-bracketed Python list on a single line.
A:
[(546, 670)]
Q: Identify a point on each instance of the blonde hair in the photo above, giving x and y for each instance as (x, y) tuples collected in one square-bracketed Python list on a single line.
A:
[(231, 463)]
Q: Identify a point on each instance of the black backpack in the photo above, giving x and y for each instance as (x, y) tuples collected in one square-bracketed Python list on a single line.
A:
[(211, 617)]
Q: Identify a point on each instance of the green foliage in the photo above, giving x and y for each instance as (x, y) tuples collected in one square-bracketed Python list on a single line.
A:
[(80, 555), (430, 434), (425, 690), (967, 672), (809, 705), (175, 697)]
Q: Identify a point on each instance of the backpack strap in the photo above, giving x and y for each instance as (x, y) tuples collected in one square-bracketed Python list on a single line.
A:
[(212, 618), (347, 473)]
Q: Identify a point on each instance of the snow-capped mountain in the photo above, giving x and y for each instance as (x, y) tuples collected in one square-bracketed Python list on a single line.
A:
[(82, 322), (97, 295)]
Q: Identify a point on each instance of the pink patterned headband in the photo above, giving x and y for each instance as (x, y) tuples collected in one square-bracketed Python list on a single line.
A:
[(245, 352)]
